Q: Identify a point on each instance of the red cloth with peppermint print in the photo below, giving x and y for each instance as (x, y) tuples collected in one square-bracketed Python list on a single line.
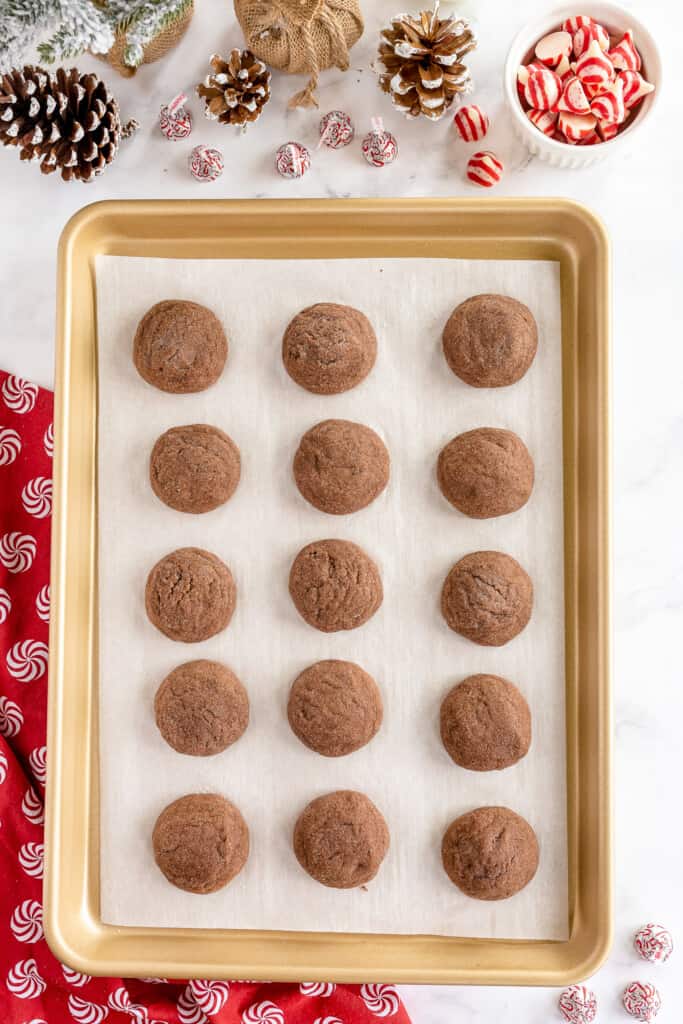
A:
[(34, 987)]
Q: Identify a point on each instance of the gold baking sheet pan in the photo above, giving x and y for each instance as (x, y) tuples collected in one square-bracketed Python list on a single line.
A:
[(464, 229)]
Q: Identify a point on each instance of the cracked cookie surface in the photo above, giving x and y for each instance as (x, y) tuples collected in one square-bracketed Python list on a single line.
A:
[(341, 466), (341, 839), (180, 347), (485, 723), (201, 708), (334, 707), (490, 853), (190, 595), (200, 842), (194, 468), (335, 585), (329, 348), (487, 597), (486, 472), (490, 341)]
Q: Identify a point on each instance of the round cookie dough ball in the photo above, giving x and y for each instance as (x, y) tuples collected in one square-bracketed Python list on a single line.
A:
[(335, 585), (490, 340), (180, 347), (341, 839), (329, 348), (334, 707), (340, 466), (486, 472), (201, 708), (190, 595), (487, 597), (201, 842), (485, 723), (490, 853), (194, 468)]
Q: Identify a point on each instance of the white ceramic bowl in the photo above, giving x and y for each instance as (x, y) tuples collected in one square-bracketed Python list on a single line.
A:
[(616, 20)]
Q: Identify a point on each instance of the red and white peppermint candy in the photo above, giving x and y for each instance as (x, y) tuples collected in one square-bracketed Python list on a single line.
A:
[(10, 445), (11, 717), (210, 996), (75, 978), (588, 34), (607, 131), (36, 497), (382, 1000), (523, 72), (49, 441), (187, 1009), (578, 1005), (642, 1001), (120, 1000), (175, 120), (552, 48), (5, 605), (609, 106), (18, 394), (653, 942), (576, 127), (328, 1020), (576, 22), (4, 766), (544, 120), (316, 988), (205, 163), (86, 1013), (573, 99), (263, 1013), (27, 660), (564, 70), (471, 123), (32, 807), (484, 168), (543, 89), (38, 762), (594, 66), (336, 129), (292, 160), (24, 980), (31, 857), (624, 55), (635, 87), (26, 921), (379, 147), (43, 603), (17, 551)]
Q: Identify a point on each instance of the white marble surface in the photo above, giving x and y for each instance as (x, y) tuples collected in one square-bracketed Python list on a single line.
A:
[(641, 201)]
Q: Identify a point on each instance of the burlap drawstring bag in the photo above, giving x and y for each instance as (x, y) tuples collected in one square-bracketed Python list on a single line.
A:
[(154, 50), (301, 36)]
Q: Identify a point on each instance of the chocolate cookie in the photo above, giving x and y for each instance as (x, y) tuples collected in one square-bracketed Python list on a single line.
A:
[(329, 348), (190, 595), (340, 466), (201, 708), (487, 597), (490, 853), (486, 472), (341, 839), (334, 707), (485, 723), (490, 340), (180, 347), (201, 842), (194, 468), (335, 585)]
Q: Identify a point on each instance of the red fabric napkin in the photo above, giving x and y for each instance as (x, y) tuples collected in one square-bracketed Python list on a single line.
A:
[(34, 987)]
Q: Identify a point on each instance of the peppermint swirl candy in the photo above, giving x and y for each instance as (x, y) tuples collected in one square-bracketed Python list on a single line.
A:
[(24, 980), (327, 1020), (263, 1013), (26, 921), (316, 988), (382, 1000), (10, 445), (43, 603), (11, 718), (3, 767), (31, 859), (187, 1009), (18, 394), (210, 996), (49, 441), (27, 660), (155, 981), (36, 497), (653, 942), (38, 761), (75, 977), (85, 1012), (578, 1004), (5, 605), (32, 807), (120, 1000), (17, 551)]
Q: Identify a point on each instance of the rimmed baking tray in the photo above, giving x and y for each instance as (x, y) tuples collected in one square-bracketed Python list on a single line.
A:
[(473, 229)]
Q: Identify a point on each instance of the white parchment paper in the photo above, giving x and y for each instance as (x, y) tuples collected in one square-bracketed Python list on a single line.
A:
[(416, 404)]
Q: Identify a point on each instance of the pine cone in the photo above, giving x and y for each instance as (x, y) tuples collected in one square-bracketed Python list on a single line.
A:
[(69, 122), (237, 89), (422, 63)]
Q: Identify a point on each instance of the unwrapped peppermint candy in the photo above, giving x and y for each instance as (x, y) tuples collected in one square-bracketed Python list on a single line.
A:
[(654, 943), (578, 1005), (484, 168), (206, 164), (292, 160), (336, 129), (471, 123), (642, 1001)]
